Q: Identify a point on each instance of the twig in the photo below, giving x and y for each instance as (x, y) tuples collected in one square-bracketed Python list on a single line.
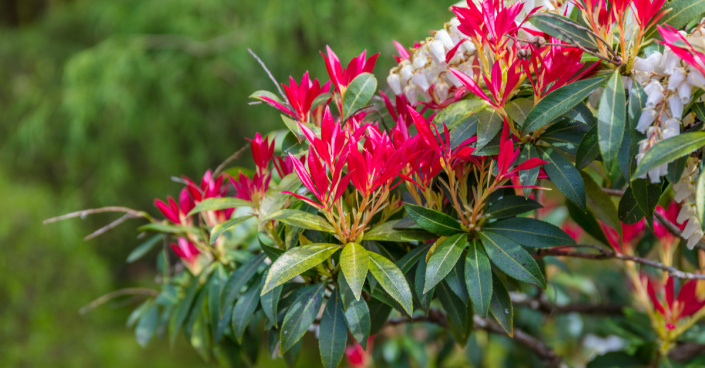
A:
[(109, 226), (613, 192), (232, 157), (268, 73), (544, 306), (82, 214), (116, 294)]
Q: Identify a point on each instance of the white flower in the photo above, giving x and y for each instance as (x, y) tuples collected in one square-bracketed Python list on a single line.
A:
[(676, 78), (695, 239), (438, 51), (685, 92), (676, 106), (669, 62), (647, 118), (443, 36), (394, 83)]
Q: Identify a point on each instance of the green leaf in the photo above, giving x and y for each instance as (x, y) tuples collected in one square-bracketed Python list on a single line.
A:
[(588, 150), (245, 308), (270, 301), (419, 280), (587, 221), (530, 232), (580, 113), (392, 280), (354, 263), (669, 150), (301, 315), (565, 135), (478, 278), (408, 261), (490, 123), (611, 117), (459, 322), (359, 93), (357, 318), (221, 203), (388, 232), (238, 279), (333, 335), (676, 169), (518, 109), (564, 29), (443, 260), (700, 197), (501, 306), (558, 102), (600, 203), (167, 228), (456, 282), (681, 13), (629, 211), (379, 313), (512, 259), (146, 325), (300, 219), (257, 95), (295, 261), (528, 177), (275, 198), (222, 227), (646, 196), (182, 310), (459, 115), (215, 288), (565, 176), (510, 206), (433, 221), (144, 248), (632, 137)]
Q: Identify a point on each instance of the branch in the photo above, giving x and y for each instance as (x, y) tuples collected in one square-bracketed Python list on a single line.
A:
[(686, 351), (232, 157), (541, 305), (261, 63), (604, 254), (82, 214), (116, 294)]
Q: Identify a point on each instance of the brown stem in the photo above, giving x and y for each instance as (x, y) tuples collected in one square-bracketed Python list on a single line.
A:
[(82, 214), (232, 157), (116, 294)]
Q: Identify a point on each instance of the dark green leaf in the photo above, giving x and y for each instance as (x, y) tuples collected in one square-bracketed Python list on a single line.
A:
[(215, 288), (600, 203), (357, 318), (565, 135), (587, 221), (530, 232), (144, 248), (511, 206), (443, 259), (558, 102), (408, 261), (456, 282), (245, 308), (512, 259), (333, 335), (528, 177), (629, 211), (238, 279), (565, 176), (270, 301), (501, 306), (301, 315), (359, 93), (146, 325), (459, 322), (490, 123), (295, 261), (646, 196), (478, 278), (580, 113), (182, 310), (354, 263), (518, 109), (388, 232), (461, 118), (611, 117), (379, 312), (346, 294), (681, 13), (221, 203), (300, 219), (419, 281), (217, 230), (588, 150), (564, 29), (700, 197), (433, 221), (669, 150), (392, 280), (676, 168)]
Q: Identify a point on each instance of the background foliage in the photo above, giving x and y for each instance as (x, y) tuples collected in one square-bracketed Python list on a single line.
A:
[(101, 97)]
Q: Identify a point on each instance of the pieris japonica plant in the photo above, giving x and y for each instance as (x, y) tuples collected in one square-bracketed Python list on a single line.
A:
[(522, 142)]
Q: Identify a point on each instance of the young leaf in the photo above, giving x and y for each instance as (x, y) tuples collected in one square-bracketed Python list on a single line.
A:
[(392, 280), (354, 264), (146, 325), (564, 29), (238, 279), (646, 196), (558, 102), (588, 150), (501, 306), (478, 278), (357, 318), (295, 261), (300, 219), (433, 221), (388, 232), (565, 176), (222, 227), (301, 315), (669, 150), (490, 123), (359, 93), (144, 248), (611, 117), (530, 232), (511, 206), (245, 308), (512, 259), (443, 260), (333, 334), (222, 203)]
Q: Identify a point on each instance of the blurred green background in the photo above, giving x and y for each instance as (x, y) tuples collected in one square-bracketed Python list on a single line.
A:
[(101, 101)]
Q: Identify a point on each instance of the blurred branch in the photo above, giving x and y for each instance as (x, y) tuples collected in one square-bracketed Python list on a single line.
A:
[(232, 157), (116, 294), (604, 254), (545, 353), (544, 306), (686, 351), (276, 84), (82, 214)]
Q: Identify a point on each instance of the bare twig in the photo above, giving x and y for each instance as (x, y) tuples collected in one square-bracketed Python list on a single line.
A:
[(232, 157), (116, 294), (268, 73), (82, 214), (109, 226), (544, 306)]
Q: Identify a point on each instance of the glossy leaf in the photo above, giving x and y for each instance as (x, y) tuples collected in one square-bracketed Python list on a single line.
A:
[(379, 313), (238, 279), (512, 259), (669, 150), (357, 318), (461, 119), (424, 299), (456, 282), (588, 150), (245, 308), (301, 315), (182, 310), (565, 135), (511, 206), (530, 232), (408, 261), (518, 109), (146, 325), (388, 232), (433, 221), (558, 102), (501, 306), (221, 203), (354, 263), (490, 123), (587, 221), (215, 288), (333, 334), (459, 321), (528, 177), (300, 219), (222, 227), (564, 29), (144, 248), (565, 176), (443, 260), (358, 93), (392, 280), (478, 278), (295, 261), (629, 211), (600, 203), (681, 13), (270, 301), (646, 196), (611, 117)]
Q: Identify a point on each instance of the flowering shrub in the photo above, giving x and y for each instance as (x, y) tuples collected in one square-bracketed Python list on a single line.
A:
[(519, 136)]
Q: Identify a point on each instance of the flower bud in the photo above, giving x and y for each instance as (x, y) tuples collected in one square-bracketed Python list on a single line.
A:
[(411, 94), (420, 80), (443, 36), (676, 79), (438, 51), (685, 92), (406, 72), (695, 78), (441, 91), (669, 62), (676, 106), (654, 91), (647, 118), (394, 83)]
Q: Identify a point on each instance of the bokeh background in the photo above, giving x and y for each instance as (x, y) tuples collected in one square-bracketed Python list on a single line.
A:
[(101, 101)]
